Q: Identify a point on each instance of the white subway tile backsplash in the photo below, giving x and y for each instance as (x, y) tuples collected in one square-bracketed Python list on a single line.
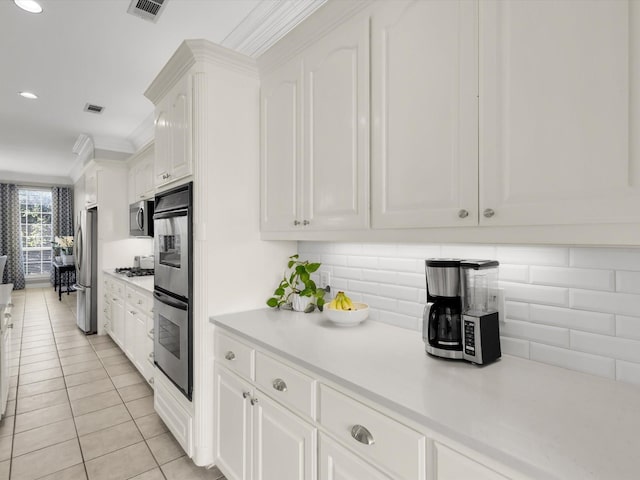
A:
[(400, 292), (413, 309), (628, 372), (574, 307), (348, 273), (553, 256), (379, 276), (412, 280), (582, 362), (628, 282), (612, 347), (533, 331), (363, 287), (595, 322), (517, 311), (574, 277), (515, 347), (628, 327), (614, 258), (331, 259), (469, 251), (620, 303), (536, 293), (362, 262), (401, 264), (514, 273)]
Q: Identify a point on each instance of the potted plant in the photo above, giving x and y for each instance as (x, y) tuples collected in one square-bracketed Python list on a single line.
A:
[(65, 244), (297, 291)]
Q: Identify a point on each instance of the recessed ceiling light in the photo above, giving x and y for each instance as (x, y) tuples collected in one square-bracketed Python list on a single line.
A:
[(29, 95), (30, 6)]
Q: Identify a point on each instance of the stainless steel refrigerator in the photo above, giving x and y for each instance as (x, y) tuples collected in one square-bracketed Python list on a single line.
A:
[(86, 258)]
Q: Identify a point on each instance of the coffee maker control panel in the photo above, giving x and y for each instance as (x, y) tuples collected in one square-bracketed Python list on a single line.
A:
[(469, 337)]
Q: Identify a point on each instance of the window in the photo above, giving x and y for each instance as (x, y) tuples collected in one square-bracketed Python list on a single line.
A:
[(36, 230)]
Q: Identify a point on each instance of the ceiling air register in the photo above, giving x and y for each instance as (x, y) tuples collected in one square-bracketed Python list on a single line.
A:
[(147, 9)]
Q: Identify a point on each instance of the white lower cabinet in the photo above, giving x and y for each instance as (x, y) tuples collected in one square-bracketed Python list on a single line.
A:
[(337, 463), (451, 465), (257, 438), (277, 421)]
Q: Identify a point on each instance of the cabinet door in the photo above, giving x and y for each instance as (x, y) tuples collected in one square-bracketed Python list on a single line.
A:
[(140, 343), (424, 111), (284, 446), (233, 420), (558, 85), (281, 148), (162, 162), (338, 463), (181, 129), (336, 129), (451, 465), (117, 321), (91, 187), (129, 339)]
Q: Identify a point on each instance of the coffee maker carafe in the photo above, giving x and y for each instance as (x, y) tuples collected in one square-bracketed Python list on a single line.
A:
[(441, 327)]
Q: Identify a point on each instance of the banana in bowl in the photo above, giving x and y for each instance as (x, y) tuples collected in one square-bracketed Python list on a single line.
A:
[(343, 312)]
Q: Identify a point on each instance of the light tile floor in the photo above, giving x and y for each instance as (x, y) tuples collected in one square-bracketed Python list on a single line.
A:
[(78, 409)]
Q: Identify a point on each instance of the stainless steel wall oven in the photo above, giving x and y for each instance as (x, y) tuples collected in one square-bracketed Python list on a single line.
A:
[(173, 289)]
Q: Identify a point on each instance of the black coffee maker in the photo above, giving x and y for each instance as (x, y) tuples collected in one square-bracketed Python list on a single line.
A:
[(441, 328)]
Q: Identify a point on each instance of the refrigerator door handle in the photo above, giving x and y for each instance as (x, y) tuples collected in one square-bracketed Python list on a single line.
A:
[(79, 287), (78, 246), (140, 219)]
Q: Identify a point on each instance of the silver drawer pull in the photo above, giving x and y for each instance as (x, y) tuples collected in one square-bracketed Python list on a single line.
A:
[(246, 394), (280, 385), (253, 401), (151, 356), (151, 381), (230, 355), (10, 325), (362, 435), (7, 315), (151, 332)]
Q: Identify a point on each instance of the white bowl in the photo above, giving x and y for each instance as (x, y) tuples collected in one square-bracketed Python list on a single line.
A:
[(348, 318)]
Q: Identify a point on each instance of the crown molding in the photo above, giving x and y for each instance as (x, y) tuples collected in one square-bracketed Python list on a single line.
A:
[(143, 134), (191, 52), (331, 14), (267, 23), (113, 144)]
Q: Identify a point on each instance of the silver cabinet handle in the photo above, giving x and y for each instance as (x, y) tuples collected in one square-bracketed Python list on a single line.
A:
[(139, 302), (151, 356), (306, 222), (296, 223), (230, 355), (246, 394), (362, 435), (7, 315), (463, 213), (151, 381), (488, 212), (10, 305), (151, 332), (253, 401), (280, 385), (132, 312), (10, 325)]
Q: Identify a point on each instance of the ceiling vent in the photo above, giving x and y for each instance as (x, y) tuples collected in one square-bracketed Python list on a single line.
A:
[(146, 9), (93, 108)]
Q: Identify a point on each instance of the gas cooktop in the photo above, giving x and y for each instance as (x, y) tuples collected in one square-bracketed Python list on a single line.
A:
[(135, 272)]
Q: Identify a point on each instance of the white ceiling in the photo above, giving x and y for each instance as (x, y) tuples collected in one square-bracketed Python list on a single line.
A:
[(93, 51)]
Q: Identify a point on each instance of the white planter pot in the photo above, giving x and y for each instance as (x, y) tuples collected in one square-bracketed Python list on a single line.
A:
[(67, 259), (298, 303)]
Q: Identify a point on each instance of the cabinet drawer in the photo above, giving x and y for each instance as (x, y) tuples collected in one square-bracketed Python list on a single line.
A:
[(235, 355), (451, 465), (139, 300), (286, 384), (117, 289), (393, 446)]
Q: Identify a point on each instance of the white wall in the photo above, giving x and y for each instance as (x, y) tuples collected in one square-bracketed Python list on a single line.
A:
[(573, 307)]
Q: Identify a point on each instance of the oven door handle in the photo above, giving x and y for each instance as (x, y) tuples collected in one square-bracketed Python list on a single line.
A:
[(167, 300), (183, 212)]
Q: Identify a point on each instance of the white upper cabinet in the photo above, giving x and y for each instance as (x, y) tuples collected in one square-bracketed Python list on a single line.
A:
[(558, 112), (424, 114), (336, 129), (173, 144), (315, 165), (141, 176), (281, 153)]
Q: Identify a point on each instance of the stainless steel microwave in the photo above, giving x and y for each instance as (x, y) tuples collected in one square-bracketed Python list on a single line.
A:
[(141, 219)]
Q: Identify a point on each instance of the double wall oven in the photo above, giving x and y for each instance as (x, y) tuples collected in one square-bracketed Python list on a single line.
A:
[(173, 289)]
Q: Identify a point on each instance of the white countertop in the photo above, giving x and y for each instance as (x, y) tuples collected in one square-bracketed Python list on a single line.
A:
[(146, 283), (545, 421)]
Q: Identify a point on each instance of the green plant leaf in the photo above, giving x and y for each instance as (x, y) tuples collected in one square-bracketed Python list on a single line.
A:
[(300, 269), (294, 256), (320, 302), (307, 292), (273, 302), (311, 285), (279, 291), (312, 267), (320, 293), (290, 264)]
